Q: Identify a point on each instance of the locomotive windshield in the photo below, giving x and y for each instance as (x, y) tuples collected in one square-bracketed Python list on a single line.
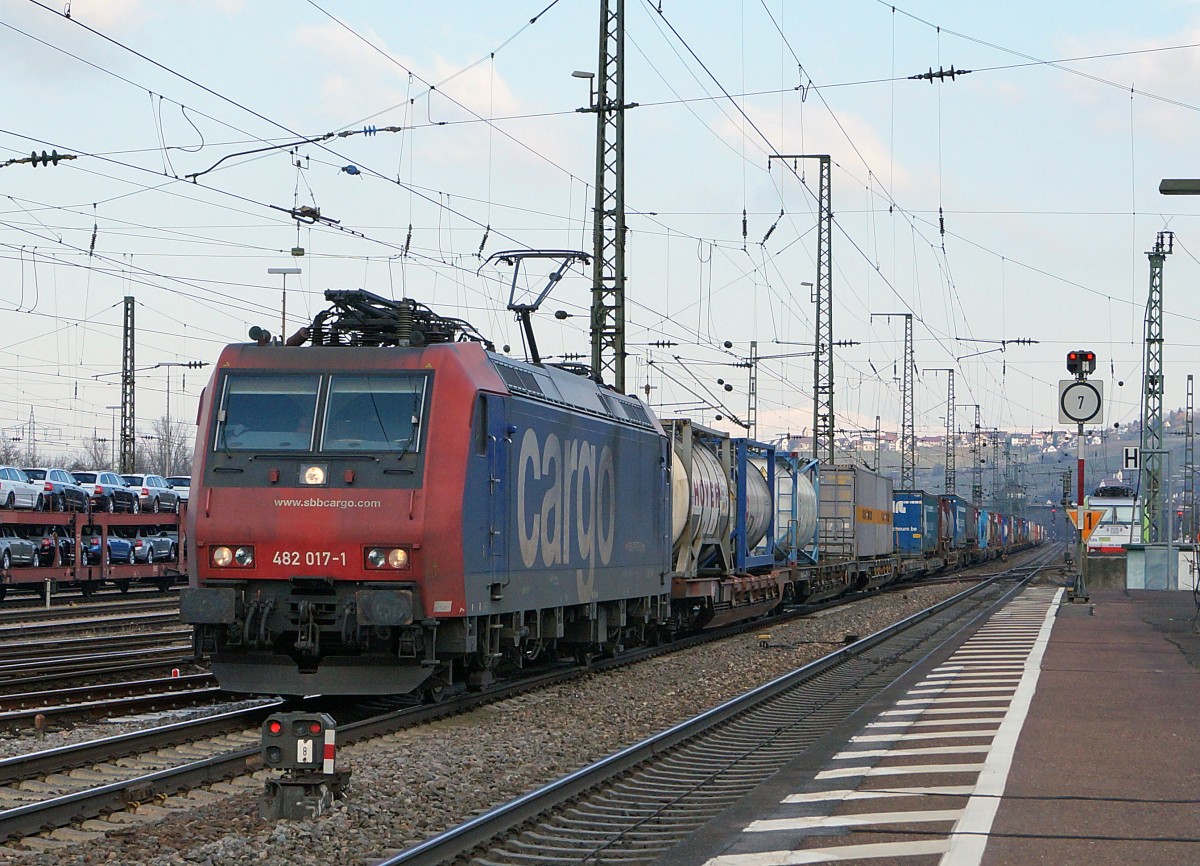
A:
[(268, 413), (378, 412), (373, 413)]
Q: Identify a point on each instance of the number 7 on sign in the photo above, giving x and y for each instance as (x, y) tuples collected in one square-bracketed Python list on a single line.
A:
[(1080, 401)]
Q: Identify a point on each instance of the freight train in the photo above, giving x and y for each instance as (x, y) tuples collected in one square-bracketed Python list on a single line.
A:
[(383, 504)]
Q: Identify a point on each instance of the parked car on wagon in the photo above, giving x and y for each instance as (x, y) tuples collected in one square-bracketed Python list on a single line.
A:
[(120, 550), (155, 493), (153, 544), (182, 485), (65, 545), (61, 490), (17, 491), (15, 550), (108, 491)]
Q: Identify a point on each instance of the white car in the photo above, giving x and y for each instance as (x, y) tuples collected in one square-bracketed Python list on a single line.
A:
[(182, 485), (17, 491)]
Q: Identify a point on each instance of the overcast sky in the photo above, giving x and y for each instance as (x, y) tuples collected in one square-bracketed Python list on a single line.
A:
[(1017, 201)]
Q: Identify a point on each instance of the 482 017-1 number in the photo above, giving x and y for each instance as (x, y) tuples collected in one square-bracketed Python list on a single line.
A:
[(308, 557)]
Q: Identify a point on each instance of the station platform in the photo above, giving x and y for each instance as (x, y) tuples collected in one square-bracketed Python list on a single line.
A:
[(1056, 734)]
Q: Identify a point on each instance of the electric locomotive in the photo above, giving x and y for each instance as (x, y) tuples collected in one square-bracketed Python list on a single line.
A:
[(397, 507)]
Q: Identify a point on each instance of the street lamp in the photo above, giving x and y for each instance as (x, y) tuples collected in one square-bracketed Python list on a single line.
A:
[(1179, 186), (590, 78), (284, 272)]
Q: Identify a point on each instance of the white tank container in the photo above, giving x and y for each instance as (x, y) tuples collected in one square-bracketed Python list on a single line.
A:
[(704, 500)]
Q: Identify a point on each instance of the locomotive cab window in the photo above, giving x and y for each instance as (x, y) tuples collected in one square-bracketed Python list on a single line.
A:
[(267, 413), (374, 413)]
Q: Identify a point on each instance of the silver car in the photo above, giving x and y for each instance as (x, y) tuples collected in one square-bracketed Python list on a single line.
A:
[(152, 544), (15, 550), (154, 492)]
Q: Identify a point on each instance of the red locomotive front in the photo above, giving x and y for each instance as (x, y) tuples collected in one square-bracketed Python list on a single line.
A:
[(319, 470)]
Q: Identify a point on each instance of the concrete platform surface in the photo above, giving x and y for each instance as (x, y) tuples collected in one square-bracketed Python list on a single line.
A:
[(1038, 738)]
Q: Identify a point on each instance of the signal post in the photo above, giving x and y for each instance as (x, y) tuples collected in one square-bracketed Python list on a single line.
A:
[(1081, 402)]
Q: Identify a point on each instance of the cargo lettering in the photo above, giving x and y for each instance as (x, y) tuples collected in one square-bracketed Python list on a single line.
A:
[(566, 501)]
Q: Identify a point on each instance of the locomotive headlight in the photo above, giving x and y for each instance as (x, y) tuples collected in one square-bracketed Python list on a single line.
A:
[(222, 556), (244, 556), (313, 475), (387, 557)]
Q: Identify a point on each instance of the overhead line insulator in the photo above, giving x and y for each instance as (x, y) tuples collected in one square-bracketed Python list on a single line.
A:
[(940, 75)]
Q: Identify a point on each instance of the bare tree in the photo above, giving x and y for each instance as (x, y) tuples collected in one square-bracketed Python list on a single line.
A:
[(168, 450), (10, 450), (96, 453)]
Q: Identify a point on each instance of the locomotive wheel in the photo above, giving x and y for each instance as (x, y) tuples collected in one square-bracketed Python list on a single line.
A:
[(123, 585), (434, 691)]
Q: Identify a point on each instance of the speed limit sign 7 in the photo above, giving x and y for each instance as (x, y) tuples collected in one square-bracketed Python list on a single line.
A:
[(1080, 401)]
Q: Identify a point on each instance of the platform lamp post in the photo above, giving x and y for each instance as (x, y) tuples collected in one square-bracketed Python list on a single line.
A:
[(284, 272)]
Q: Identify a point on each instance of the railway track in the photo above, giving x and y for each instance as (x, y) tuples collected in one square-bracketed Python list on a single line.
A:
[(89, 623), (23, 709), (110, 607), (161, 762), (634, 805)]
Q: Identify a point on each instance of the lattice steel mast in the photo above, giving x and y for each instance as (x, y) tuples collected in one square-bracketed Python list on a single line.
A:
[(1189, 465), (908, 435), (1152, 394), (823, 416), (127, 388), (951, 474), (976, 461), (608, 227)]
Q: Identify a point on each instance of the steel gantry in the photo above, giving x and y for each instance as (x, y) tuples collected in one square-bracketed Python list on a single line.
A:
[(608, 226), (1153, 529)]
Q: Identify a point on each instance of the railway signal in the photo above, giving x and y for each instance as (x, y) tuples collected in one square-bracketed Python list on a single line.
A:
[(1081, 363), (1081, 402), (304, 746)]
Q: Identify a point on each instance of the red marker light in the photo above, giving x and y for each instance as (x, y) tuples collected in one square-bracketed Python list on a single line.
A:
[(314, 727), (274, 727)]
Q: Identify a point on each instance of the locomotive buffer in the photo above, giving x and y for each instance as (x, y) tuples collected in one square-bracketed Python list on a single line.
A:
[(304, 746)]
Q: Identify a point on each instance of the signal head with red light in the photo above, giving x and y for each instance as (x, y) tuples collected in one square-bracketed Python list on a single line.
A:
[(299, 741), (1081, 362)]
